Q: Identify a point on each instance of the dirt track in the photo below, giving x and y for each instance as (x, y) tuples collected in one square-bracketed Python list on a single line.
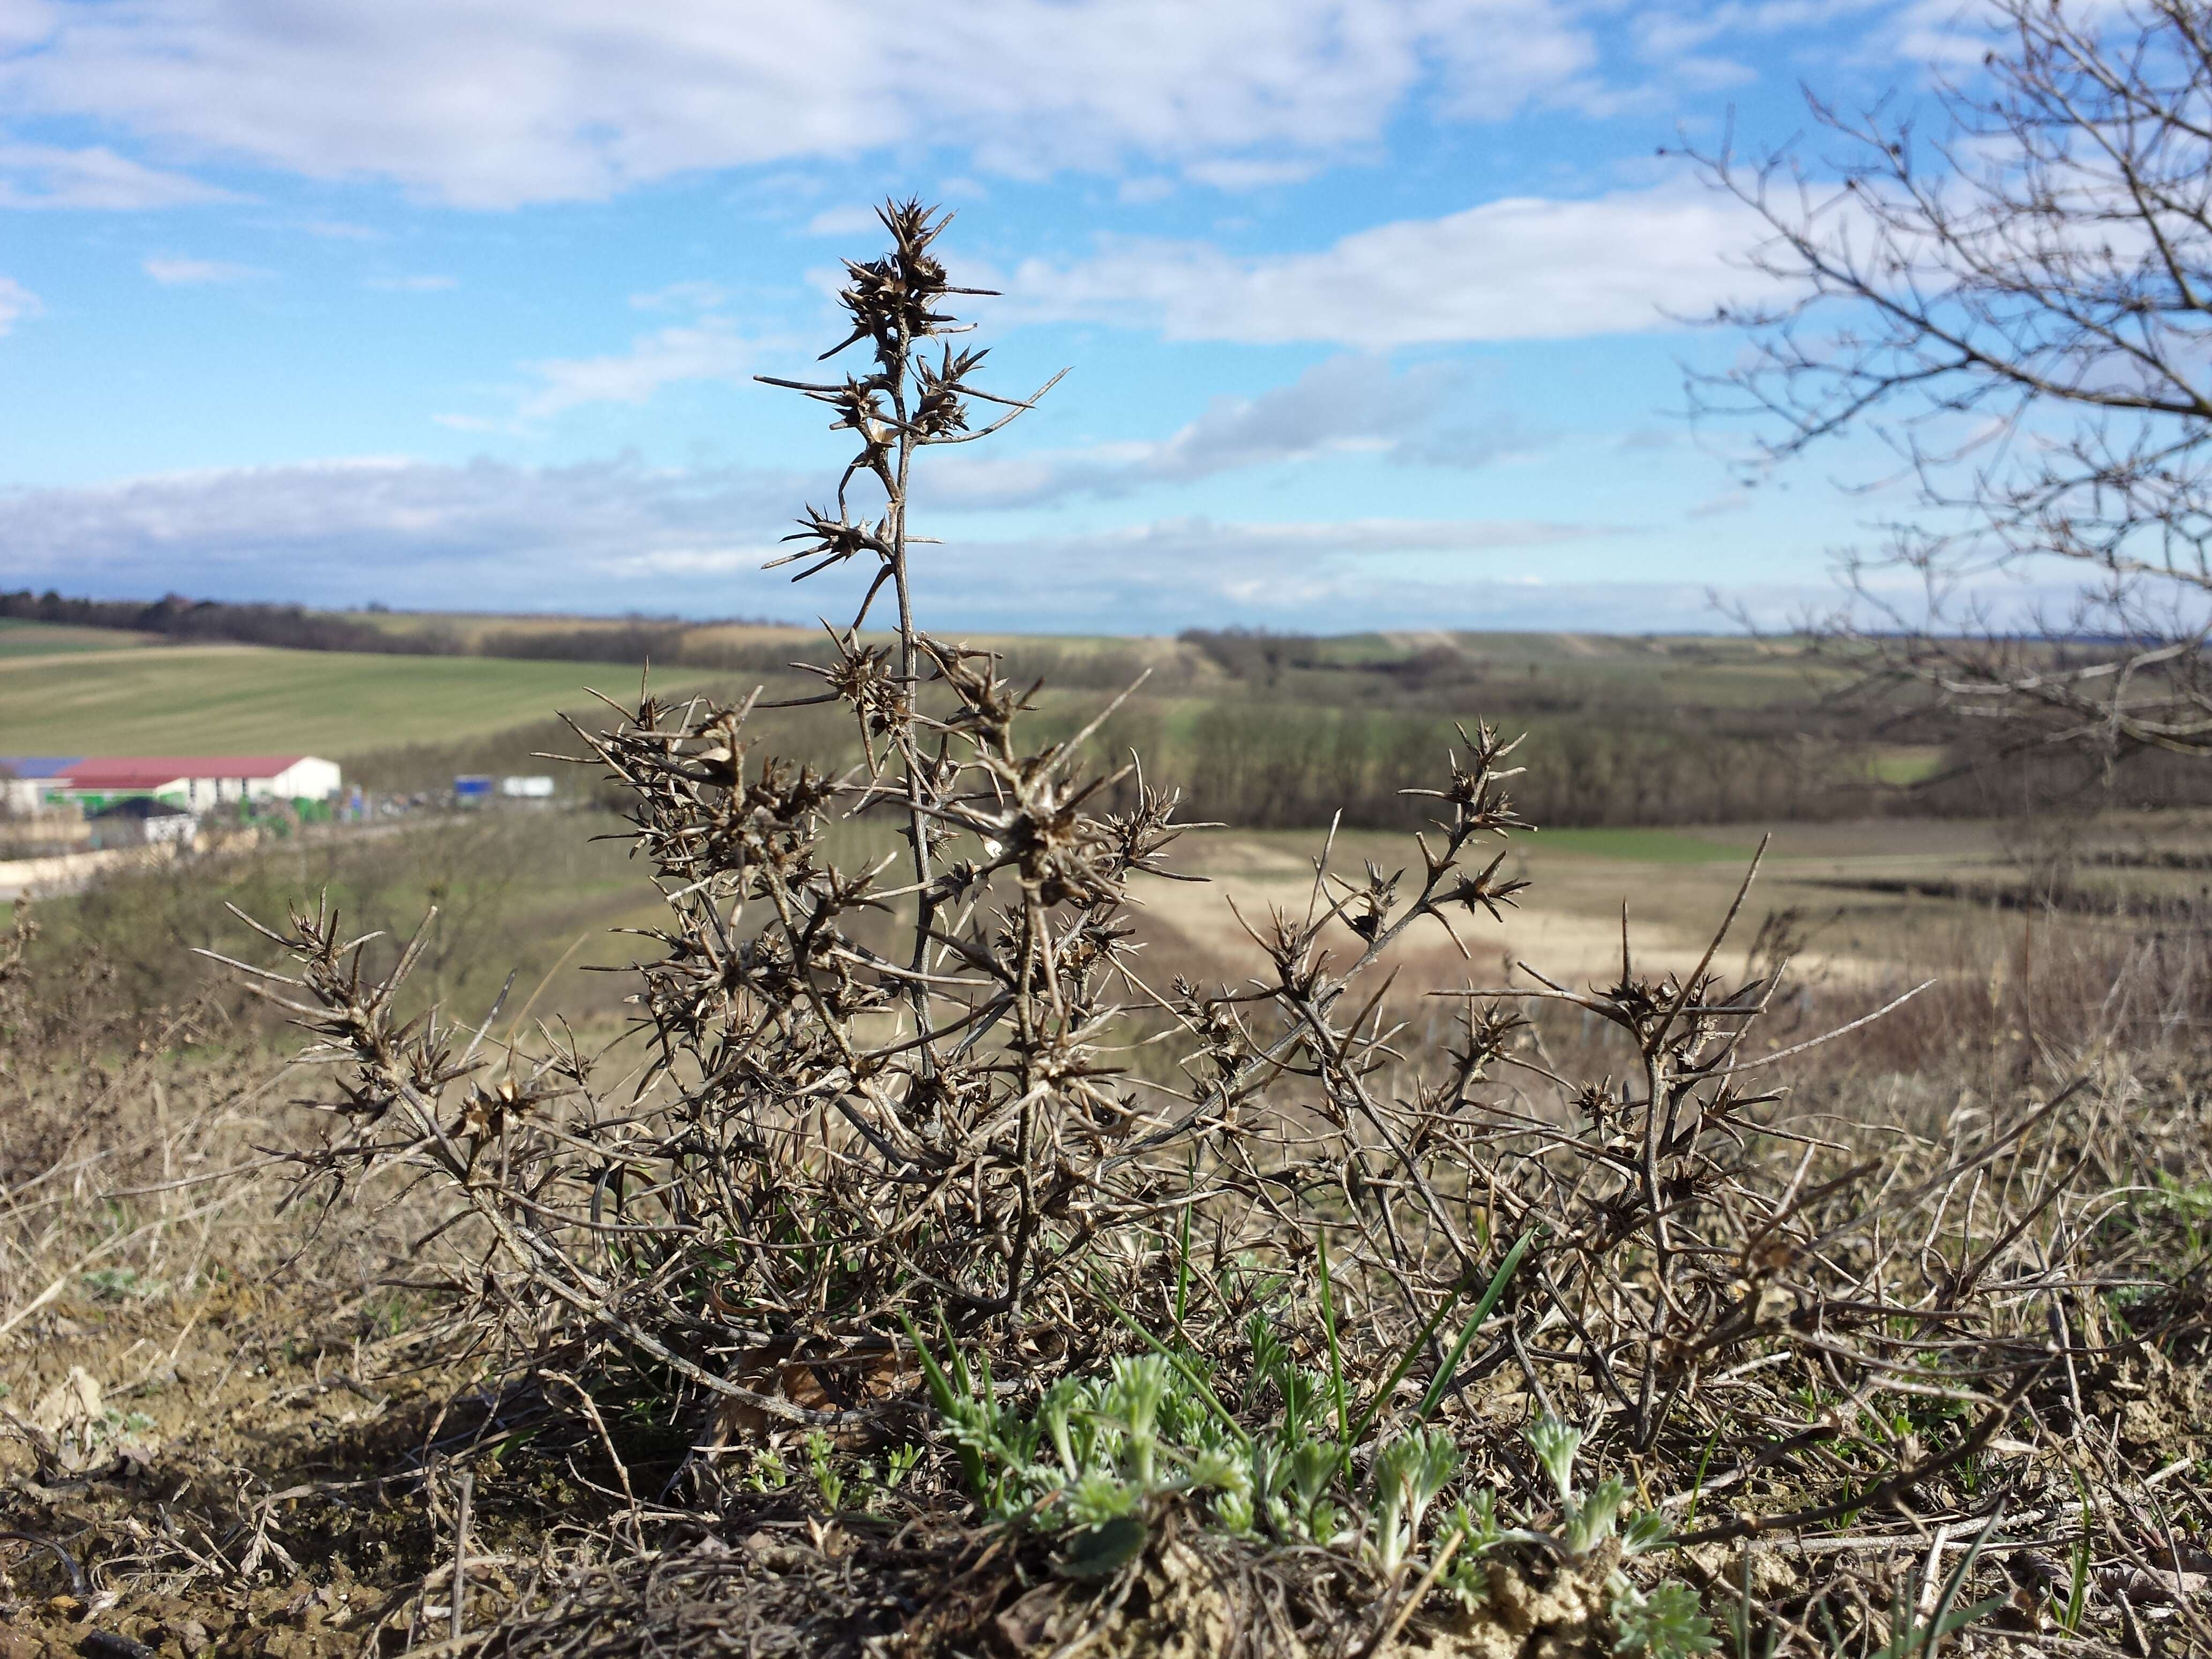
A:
[(1566, 925)]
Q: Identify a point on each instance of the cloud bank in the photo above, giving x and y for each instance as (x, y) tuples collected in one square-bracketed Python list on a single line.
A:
[(1345, 405), (508, 101), (49, 176), (611, 536), (1521, 269), (616, 535)]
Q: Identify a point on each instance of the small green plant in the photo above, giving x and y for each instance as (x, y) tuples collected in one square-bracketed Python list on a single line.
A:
[(1099, 1456), (1093, 1457), (899, 1463), (2068, 1616), (1667, 1622), (1093, 1460), (1475, 1523), (766, 1470), (827, 1481), (1410, 1473), (121, 1284)]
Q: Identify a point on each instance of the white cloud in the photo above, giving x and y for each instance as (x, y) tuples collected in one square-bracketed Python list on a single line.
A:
[(508, 102), (1345, 405), (613, 535), (849, 220), (1942, 38), (1175, 573), (412, 284), (609, 536), (16, 301), (486, 531), (710, 350), (1234, 173), (179, 272), (709, 347), (45, 176), (681, 296), (1524, 268)]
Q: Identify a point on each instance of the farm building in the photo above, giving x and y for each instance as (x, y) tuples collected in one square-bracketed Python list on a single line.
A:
[(24, 780), (195, 782), (141, 820)]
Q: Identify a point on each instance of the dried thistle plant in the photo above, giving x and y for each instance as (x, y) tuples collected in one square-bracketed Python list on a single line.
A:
[(876, 1097), (826, 1136)]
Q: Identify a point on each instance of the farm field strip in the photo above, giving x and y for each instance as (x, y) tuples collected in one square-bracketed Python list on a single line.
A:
[(202, 699), (19, 639), (1567, 923)]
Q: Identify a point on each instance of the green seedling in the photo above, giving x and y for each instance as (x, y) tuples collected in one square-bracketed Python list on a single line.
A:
[(1410, 1473), (766, 1471), (827, 1481), (1667, 1622), (899, 1463)]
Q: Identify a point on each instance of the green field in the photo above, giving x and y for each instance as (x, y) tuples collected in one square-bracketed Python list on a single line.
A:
[(188, 700), (30, 639), (1907, 762), (68, 690)]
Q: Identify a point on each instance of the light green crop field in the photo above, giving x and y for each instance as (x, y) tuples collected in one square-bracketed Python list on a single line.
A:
[(32, 639), (201, 700), (1907, 763)]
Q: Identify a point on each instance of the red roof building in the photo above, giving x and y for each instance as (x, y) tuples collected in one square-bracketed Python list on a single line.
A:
[(122, 774), (195, 782)]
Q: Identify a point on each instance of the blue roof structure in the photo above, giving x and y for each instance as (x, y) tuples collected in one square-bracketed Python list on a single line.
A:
[(40, 766)]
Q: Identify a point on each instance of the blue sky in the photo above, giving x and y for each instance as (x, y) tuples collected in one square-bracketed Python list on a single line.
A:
[(454, 303)]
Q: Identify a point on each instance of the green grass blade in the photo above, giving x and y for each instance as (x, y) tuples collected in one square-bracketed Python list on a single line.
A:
[(1498, 1280), (1697, 1485), (1397, 1375), (1944, 1621), (940, 1386)]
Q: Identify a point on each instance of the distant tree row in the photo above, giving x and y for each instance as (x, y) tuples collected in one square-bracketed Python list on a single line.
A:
[(667, 642), (1270, 765), (176, 617), (296, 628)]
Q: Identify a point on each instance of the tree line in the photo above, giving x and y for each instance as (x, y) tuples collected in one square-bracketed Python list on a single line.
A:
[(296, 628), (173, 616)]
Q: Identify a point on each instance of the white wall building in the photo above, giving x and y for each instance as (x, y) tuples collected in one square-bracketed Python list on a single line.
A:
[(195, 782)]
